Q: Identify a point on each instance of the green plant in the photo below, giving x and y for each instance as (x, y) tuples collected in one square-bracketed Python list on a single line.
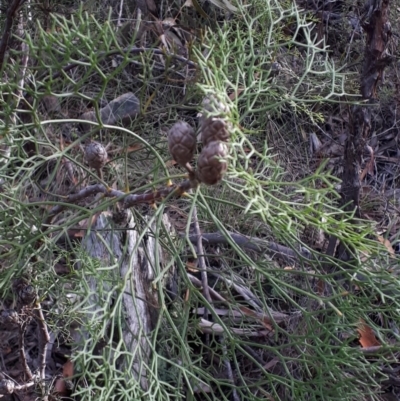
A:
[(264, 66)]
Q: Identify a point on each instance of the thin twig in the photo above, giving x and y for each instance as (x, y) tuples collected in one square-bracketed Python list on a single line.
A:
[(238, 314), (201, 260), (194, 280), (27, 370), (228, 366), (215, 328), (120, 13), (44, 339)]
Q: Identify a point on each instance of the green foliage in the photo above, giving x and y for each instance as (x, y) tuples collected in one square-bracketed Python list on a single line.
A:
[(315, 354)]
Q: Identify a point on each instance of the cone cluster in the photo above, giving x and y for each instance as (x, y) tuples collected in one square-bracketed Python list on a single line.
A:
[(215, 132)]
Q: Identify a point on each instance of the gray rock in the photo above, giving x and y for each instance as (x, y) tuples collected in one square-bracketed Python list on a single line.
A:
[(120, 110)]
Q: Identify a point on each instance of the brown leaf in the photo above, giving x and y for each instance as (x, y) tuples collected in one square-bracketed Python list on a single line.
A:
[(192, 267), (68, 372), (367, 336), (369, 167), (236, 94), (68, 369), (170, 163), (386, 243)]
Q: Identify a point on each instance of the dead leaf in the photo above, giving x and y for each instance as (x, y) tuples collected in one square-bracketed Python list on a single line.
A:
[(369, 168), (170, 163), (271, 363), (320, 287), (367, 336), (236, 94), (192, 267), (133, 148), (68, 371), (386, 243)]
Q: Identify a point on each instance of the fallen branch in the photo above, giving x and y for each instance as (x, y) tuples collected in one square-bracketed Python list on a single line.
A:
[(253, 244)]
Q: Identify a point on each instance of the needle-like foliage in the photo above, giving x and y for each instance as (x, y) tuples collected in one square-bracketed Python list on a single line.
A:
[(288, 322)]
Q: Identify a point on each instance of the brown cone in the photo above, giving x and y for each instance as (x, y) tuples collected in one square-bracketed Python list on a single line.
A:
[(213, 129), (213, 124), (181, 142), (96, 155), (211, 165)]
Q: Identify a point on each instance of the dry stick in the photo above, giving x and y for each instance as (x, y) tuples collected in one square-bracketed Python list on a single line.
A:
[(228, 366), (271, 316), (202, 265), (44, 339), (201, 260), (120, 13), (27, 370), (238, 313), (217, 329), (194, 280), (251, 243)]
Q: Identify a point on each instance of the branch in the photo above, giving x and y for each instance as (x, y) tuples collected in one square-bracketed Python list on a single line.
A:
[(253, 244), (127, 200), (10, 15), (201, 259)]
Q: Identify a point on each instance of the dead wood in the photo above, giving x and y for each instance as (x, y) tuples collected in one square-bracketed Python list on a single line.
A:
[(135, 262)]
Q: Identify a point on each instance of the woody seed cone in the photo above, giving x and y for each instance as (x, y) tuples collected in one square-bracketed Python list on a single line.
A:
[(211, 165), (181, 142)]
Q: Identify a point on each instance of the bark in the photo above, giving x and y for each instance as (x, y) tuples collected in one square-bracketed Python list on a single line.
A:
[(376, 57), (137, 265), (377, 28)]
